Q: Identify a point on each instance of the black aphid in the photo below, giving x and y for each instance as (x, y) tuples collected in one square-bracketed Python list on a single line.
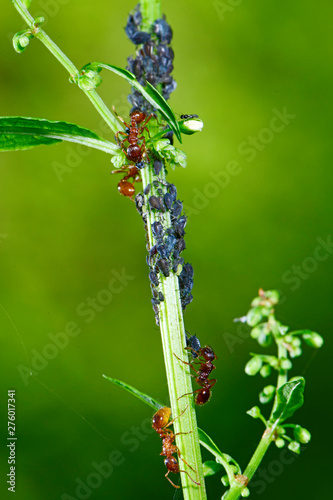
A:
[(194, 343), (177, 208), (158, 164), (188, 117), (164, 266), (161, 296), (169, 243), (162, 30), (153, 278), (155, 202), (155, 302), (157, 229), (140, 164), (173, 191), (168, 200), (147, 189), (169, 135), (188, 271), (187, 300), (162, 251)]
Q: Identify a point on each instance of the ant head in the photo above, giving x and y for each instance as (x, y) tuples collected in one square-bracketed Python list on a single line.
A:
[(207, 353), (161, 418), (138, 116)]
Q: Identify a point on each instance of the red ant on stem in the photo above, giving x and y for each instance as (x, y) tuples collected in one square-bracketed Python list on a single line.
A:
[(133, 152), (207, 356), (161, 424)]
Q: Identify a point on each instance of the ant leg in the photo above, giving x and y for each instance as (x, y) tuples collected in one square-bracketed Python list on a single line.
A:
[(189, 393), (120, 170), (198, 484), (212, 382), (177, 433), (119, 132), (166, 475), (152, 115), (119, 117), (186, 363), (172, 421)]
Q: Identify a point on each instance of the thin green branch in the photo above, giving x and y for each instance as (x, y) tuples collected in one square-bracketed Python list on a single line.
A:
[(68, 65), (178, 376), (173, 334)]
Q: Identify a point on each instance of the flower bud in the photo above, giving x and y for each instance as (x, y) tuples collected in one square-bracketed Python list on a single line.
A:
[(254, 412), (313, 339), (267, 394), (89, 80), (265, 371), (286, 364), (191, 126), (253, 366), (295, 447), (245, 492), (279, 443), (301, 434)]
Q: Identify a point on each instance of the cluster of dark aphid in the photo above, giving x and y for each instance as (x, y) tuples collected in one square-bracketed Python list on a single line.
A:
[(168, 244), (154, 60)]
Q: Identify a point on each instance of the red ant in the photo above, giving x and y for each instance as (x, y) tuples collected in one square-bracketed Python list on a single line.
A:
[(125, 187), (161, 424), (133, 135), (207, 356)]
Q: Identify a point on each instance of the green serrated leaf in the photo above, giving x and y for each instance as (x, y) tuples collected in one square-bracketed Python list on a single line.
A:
[(149, 92), (210, 468), (21, 133), (153, 403), (289, 399)]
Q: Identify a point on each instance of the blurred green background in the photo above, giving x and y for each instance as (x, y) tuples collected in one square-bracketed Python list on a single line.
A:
[(237, 66)]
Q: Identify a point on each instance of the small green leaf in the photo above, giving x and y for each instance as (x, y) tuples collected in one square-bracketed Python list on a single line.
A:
[(21, 40), (289, 399), (210, 468), (153, 403), (20, 133), (149, 93), (209, 444)]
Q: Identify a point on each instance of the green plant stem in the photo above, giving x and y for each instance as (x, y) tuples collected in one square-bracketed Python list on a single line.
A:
[(178, 374), (267, 438), (283, 374), (150, 10), (237, 487), (68, 65), (173, 334)]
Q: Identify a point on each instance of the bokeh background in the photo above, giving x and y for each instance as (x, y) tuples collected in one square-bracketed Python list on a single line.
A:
[(238, 64)]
